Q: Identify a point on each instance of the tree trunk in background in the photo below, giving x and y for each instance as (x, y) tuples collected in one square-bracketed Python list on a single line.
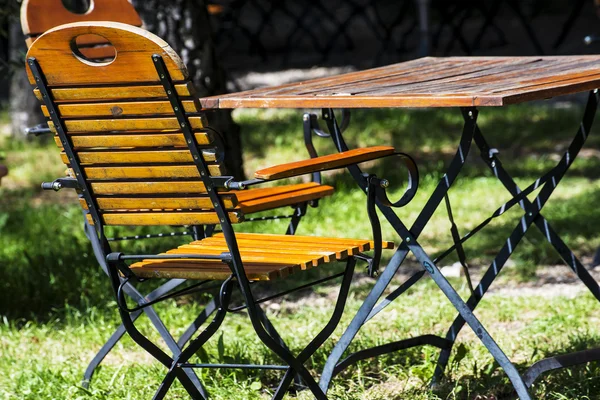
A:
[(185, 25), (24, 107)]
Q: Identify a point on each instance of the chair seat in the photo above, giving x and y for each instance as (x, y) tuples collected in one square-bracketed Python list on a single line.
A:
[(265, 257), (255, 200)]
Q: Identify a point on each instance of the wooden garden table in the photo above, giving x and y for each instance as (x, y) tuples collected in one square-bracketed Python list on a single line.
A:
[(466, 83)]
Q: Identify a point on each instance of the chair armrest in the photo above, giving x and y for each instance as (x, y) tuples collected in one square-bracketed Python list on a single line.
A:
[(323, 163)]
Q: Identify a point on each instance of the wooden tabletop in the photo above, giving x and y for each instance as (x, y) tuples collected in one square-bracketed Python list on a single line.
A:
[(430, 82)]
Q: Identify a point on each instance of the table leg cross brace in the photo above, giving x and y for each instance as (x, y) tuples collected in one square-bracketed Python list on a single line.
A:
[(532, 215)]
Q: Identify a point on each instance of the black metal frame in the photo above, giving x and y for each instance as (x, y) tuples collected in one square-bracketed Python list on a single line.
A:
[(100, 249), (532, 215)]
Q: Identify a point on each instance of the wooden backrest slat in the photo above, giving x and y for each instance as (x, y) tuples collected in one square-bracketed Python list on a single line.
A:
[(116, 93), (38, 16), (119, 109), (133, 63), (125, 124), (124, 131), (82, 141), (138, 157)]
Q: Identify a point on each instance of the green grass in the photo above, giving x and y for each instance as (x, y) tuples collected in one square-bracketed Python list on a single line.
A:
[(58, 310)]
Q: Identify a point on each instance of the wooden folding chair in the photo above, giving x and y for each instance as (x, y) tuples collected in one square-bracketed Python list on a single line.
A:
[(37, 17), (139, 153)]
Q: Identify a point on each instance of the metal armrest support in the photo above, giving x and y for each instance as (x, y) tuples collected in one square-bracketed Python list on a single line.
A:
[(40, 129), (61, 183), (376, 193)]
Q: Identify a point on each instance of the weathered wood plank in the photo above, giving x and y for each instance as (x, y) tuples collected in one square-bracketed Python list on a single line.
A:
[(430, 82)]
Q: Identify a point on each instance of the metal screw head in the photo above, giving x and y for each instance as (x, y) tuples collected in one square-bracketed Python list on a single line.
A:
[(162, 76), (209, 189), (183, 124), (223, 220), (408, 239), (189, 141), (216, 204), (176, 108), (493, 164), (202, 173), (326, 115), (530, 214), (384, 183), (471, 114), (195, 156), (168, 92)]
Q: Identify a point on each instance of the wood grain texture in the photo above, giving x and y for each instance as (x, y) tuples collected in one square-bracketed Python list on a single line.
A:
[(133, 64), (125, 124), (124, 92), (160, 203), (294, 239), (165, 218), (264, 257), (431, 82), (323, 163), (119, 109), (37, 16), (134, 141), (138, 157), (149, 172)]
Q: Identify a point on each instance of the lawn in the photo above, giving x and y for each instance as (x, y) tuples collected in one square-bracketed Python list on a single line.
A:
[(57, 308)]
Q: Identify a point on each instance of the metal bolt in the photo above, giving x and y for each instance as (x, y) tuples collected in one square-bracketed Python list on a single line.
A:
[(471, 114), (168, 92), (183, 124), (216, 204), (222, 219), (176, 108), (384, 183), (530, 214), (326, 115), (202, 173), (83, 190), (162, 76), (51, 111), (195, 156), (209, 189), (493, 164), (190, 141), (408, 239)]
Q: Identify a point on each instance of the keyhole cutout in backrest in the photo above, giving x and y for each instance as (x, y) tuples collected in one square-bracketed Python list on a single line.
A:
[(78, 6), (93, 49)]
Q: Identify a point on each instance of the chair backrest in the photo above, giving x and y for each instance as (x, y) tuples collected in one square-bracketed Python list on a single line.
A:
[(127, 142), (38, 16)]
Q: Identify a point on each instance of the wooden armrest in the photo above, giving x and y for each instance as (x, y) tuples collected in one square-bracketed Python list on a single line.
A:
[(323, 163)]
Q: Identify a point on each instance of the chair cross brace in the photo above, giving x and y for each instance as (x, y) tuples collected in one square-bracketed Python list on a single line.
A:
[(370, 307)]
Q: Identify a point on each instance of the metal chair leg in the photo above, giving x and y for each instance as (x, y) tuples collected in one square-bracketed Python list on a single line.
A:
[(325, 333), (144, 342)]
